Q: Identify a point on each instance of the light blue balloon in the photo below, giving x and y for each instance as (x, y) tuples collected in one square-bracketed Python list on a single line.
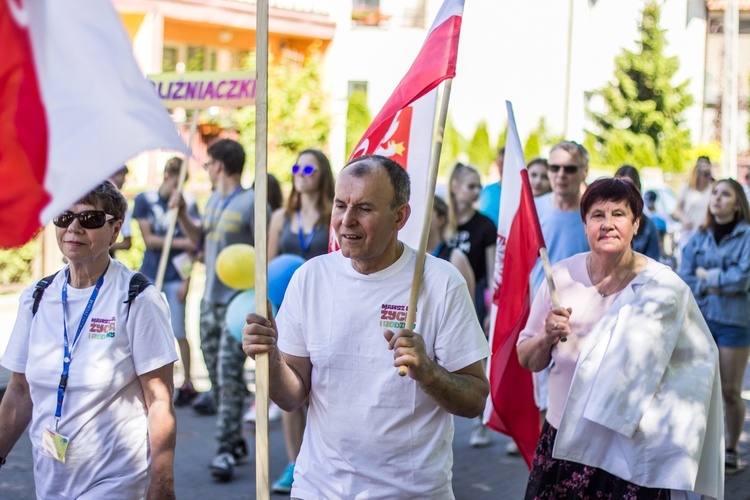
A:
[(241, 305), (280, 271)]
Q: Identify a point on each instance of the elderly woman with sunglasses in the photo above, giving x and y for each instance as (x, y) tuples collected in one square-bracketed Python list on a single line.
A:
[(634, 392), (91, 373)]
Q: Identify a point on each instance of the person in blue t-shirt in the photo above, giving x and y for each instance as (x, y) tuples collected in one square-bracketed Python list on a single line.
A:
[(489, 199), (561, 224), (559, 211), (151, 210)]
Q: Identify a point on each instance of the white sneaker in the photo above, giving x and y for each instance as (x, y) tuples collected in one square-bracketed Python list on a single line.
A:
[(480, 436), (274, 413), (512, 449)]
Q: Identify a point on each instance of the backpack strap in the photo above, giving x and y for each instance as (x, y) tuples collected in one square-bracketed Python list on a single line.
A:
[(39, 289), (138, 283)]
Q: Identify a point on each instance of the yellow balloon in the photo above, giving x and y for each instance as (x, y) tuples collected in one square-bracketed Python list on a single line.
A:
[(235, 266)]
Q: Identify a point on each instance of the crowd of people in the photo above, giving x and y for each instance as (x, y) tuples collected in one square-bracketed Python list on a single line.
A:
[(631, 343)]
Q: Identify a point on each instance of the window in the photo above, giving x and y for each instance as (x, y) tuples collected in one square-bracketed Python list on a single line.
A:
[(169, 59)]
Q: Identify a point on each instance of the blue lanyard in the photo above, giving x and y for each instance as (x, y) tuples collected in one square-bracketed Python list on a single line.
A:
[(304, 245), (216, 216), (67, 347)]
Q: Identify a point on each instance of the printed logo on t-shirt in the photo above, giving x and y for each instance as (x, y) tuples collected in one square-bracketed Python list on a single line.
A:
[(393, 316), (461, 241), (102, 328)]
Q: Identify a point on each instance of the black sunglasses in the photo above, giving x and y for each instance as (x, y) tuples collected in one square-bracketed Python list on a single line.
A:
[(307, 170), (89, 219), (568, 169)]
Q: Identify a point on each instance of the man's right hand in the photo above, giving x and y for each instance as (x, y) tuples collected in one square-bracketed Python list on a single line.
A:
[(259, 334), (177, 201)]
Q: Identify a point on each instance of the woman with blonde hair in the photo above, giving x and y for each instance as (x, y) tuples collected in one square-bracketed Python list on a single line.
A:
[(716, 265), (693, 200)]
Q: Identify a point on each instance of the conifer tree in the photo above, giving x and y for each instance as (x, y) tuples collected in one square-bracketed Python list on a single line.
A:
[(642, 119), (357, 120), (480, 152)]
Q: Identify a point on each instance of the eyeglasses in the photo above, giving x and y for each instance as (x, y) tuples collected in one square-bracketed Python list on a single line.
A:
[(568, 169), (208, 164), (307, 170), (89, 219)]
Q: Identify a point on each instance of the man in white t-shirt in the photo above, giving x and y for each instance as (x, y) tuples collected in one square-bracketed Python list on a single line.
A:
[(341, 337)]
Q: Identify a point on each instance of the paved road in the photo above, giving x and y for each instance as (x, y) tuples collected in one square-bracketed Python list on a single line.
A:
[(485, 473), (478, 472)]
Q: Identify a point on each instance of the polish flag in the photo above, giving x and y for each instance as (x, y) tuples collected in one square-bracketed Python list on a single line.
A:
[(403, 130), (511, 409), (73, 108)]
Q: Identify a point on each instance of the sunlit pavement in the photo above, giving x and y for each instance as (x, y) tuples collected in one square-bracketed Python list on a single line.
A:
[(478, 473)]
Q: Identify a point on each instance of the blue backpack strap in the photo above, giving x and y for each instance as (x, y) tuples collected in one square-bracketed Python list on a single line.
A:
[(39, 289), (138, 283)]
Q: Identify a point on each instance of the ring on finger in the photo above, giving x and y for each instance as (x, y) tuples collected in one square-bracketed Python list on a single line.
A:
[(554, 327)]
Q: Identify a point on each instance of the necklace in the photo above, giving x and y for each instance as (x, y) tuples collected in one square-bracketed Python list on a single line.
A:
[(619, 285)]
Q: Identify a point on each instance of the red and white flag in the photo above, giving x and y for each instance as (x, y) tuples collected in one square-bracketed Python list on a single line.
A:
[(404, 128), (74, 106), (519, 237)]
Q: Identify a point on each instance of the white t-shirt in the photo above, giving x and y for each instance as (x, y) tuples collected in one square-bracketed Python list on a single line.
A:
[(103, 413), (371, 433)]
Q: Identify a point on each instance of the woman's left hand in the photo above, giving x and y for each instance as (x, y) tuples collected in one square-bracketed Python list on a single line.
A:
[(557, 325)]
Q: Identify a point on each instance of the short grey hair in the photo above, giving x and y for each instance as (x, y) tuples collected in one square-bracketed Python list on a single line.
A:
[(400, 182), (578, 152)]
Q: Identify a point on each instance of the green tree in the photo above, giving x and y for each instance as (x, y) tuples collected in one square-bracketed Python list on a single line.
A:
[(533, 146), (643, 111), (357, 119), (501, 139), (481, 153), (15, 263), (296, 115), (453, 145)]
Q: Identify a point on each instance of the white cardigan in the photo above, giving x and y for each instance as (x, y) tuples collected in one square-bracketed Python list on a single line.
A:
[(645, 400)]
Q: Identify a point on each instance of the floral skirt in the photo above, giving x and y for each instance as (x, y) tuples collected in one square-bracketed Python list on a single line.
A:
[(551, 478)]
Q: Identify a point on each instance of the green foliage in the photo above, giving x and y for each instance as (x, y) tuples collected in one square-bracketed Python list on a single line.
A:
[(133, 256), (533, 146), (481, 154), (711, 149), (501, 139), (296, 115), (453, 146), (15, 264), (540, 140), (642, 107), (357, 120)]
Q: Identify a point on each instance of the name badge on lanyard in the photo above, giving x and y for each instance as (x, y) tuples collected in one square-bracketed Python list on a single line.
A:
[(55, 444)]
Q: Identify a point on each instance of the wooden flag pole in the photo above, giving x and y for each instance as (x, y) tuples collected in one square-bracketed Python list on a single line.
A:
[(172, 215), (550, 282), (262, 488), (416, 282)]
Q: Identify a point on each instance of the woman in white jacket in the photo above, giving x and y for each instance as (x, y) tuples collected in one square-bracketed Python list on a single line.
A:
[(634, 393)]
